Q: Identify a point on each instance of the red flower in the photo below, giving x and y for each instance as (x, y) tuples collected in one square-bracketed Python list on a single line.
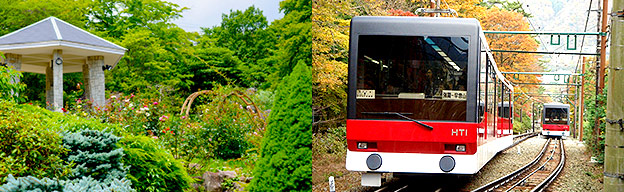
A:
[(64, 110), (167, 129), (163, 131)]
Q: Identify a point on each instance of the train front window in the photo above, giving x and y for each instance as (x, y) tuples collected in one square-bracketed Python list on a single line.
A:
[(556, 116), (421, 77)]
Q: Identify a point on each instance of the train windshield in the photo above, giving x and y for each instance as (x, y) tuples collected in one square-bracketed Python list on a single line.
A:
[(556, 116), (421, 77)]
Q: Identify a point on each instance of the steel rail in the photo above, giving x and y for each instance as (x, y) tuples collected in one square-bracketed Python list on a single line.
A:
[(521, 181), (526, 136), (555, 173), (502, 180)]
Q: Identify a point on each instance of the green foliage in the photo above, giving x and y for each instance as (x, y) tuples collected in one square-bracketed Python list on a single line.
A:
[(228, 137), (333, 141), (523, 125), (214, 66), (151, 167), (595, 111), (244, 32), (295, 37), (95, 154), (9, 90), (286, 156), (27, 146), (18, 14)]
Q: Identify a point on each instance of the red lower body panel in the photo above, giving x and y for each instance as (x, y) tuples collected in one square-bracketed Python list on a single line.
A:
[(556, 127), (399, 136)]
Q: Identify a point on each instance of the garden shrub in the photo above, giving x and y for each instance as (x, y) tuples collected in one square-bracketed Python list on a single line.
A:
[(10, 91), (151, 167), (228, 138), (26, 146), (95, 154), (31, 183), (286, 157)]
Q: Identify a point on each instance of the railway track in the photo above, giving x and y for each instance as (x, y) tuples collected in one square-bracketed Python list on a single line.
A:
[(536, 175), (438, 183)]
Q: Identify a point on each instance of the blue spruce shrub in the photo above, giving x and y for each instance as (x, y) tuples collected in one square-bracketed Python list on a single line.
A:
[(98, 166), (33, 184), (95, 154), (30, 183)]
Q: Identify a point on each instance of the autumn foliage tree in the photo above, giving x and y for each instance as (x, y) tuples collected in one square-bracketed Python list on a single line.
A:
[(502, 20), (330, 52)]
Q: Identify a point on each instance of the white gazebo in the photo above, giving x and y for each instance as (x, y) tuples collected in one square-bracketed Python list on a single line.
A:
[(53, 47)]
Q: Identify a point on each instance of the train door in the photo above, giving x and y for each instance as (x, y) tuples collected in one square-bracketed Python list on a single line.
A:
[(491, 102)]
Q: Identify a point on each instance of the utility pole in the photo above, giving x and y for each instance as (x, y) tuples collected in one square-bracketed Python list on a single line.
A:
[(600, 65), (614, 132), (533, 116), (582, 104)]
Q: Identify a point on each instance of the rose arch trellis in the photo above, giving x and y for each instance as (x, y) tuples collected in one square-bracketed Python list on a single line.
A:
[(251, 109)]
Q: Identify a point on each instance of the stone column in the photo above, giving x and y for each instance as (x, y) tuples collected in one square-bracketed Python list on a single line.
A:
[(15, 61), (54, 82), (93, 76)]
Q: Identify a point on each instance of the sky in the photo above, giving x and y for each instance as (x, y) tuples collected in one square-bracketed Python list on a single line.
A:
[(207, 13)]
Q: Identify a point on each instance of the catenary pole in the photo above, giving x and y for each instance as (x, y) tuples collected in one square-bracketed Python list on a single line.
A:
[(614, 132), (582, 104)]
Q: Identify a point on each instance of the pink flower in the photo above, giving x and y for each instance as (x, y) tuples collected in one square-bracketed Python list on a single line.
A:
[(155, 103), (183, 117), (209, 139), (131, 95), (155, 137), (163, 118)]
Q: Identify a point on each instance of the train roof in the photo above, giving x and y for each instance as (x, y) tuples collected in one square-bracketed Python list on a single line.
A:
[(397, 25), (556, 105)]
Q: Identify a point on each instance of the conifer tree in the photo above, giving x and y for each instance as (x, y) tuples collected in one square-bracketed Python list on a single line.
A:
[(286, 155)]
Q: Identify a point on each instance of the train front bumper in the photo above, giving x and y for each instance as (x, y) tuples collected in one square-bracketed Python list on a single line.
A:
[(556, 133), (413, 162)]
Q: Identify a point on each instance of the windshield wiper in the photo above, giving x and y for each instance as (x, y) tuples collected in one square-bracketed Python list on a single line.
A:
[(400, 115)]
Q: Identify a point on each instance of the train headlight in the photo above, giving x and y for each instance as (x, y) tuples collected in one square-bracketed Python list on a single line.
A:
[(460, 148), (362, 145), (447, 163)]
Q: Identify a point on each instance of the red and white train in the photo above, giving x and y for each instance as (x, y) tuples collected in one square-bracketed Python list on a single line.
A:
[(556, 119), (425, 96)]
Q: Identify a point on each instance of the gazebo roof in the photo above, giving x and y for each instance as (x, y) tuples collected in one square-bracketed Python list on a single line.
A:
[(37, 41)]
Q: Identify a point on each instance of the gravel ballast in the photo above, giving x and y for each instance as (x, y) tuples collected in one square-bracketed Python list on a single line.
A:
[(507, 162)]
